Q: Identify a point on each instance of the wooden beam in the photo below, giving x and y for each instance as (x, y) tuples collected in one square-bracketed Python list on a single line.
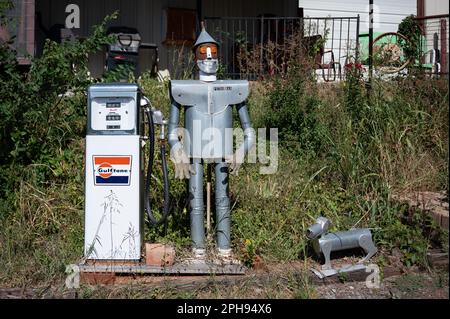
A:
[(421, 13)]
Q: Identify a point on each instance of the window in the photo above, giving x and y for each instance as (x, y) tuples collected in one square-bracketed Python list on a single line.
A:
[(180, 27)]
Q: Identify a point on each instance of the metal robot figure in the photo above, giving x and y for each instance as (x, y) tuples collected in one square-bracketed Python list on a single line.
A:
[(325, 243), (207, 137)]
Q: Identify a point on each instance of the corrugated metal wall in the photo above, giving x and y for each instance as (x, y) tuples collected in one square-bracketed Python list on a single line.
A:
[(148, 17)]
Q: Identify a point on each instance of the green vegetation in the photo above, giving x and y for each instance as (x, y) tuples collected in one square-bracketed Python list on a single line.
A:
[(410, 28), (343, 154)]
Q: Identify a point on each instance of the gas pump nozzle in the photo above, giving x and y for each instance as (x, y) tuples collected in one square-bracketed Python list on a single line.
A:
[(157, 115), (162, 134)]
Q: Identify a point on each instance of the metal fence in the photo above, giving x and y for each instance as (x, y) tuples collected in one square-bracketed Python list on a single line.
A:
[(434, 44), (267, 40)]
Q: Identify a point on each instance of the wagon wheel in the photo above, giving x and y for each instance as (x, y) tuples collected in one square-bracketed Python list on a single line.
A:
[(388, 53)]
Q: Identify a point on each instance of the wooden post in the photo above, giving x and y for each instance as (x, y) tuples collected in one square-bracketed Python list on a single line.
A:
[(444, 46), (208, 199)]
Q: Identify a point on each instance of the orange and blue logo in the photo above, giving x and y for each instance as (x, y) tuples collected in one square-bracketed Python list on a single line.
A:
[(112, 170)]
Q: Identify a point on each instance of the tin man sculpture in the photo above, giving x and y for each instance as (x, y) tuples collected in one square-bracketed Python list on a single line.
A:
[(207, 138), (328, 242)]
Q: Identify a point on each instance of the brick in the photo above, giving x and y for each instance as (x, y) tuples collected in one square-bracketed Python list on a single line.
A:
[(259, 264), (159, 255), (95, 278)]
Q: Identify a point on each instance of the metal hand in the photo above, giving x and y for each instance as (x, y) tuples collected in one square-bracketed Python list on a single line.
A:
[(183, 168)]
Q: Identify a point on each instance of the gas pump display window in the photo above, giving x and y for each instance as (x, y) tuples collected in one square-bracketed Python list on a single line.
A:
[(113, 113), (113, 105)]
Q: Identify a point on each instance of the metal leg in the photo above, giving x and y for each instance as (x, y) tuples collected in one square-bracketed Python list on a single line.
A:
[(222, 208), (326, 250), (196, 205), (366, 243)]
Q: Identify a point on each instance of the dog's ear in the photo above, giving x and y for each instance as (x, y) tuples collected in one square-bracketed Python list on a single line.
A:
[(326, 225)]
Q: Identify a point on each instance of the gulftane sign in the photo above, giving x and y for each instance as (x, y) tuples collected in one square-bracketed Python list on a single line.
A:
[(112, 170)]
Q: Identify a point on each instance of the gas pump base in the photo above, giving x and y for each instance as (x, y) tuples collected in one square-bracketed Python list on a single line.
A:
[(187, 267)]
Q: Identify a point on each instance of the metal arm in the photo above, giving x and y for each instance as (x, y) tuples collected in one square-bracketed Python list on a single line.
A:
[(249, 132), (174, 142)]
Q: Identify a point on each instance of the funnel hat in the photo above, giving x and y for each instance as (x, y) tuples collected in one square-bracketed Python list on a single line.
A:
[(205, 49)]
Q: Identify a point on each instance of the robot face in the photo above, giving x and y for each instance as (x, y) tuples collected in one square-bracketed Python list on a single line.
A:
[(206, 55), (206, 51)]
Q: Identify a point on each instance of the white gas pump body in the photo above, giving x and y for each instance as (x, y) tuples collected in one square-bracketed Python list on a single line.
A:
[(113, 173)]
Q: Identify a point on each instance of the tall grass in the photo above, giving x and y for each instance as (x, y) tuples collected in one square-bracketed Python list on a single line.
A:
[(344, 153)]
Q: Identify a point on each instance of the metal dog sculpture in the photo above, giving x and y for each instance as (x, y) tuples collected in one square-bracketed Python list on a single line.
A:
[(328, 242)]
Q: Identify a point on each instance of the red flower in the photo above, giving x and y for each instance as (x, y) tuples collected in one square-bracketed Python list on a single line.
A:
[(354, 66)]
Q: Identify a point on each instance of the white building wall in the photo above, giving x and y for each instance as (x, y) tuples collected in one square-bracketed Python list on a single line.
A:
[(387, 16), (388, 13), (437, 27), (435, 7)]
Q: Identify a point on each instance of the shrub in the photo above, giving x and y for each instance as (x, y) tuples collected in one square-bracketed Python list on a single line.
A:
[(294, 108), (43, 118)]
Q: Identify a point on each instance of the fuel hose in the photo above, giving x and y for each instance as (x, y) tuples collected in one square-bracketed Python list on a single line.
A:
[(147, 193)]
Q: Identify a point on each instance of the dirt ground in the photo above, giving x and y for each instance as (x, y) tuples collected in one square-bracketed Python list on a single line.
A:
[(408, 286), (288, 281)]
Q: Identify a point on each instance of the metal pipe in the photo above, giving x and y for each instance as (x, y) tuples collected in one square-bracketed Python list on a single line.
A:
[(173, 126), (357, 39), (208, 199), (196, 204), (348, 40), (332, 35), (370, 40), (249, 133), (223, 220), (340, 37)]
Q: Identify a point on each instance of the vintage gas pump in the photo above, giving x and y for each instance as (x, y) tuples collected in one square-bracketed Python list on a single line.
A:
[(115, 191), (117, 195)]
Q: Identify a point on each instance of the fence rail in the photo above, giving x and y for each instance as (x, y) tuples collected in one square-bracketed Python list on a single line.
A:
[(267, 39)]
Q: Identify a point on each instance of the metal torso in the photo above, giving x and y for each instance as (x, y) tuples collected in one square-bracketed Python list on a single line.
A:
[(208, 115), (343, 240)]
